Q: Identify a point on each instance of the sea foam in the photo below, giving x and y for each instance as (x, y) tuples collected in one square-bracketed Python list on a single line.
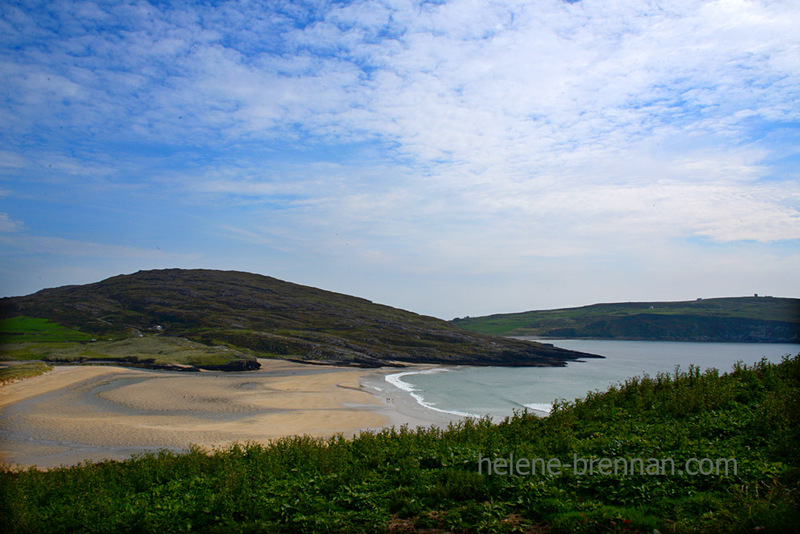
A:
[(395, 380), (540, 407)]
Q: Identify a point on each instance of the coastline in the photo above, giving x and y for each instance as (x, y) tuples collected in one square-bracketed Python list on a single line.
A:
[(76, 414), (401, 406)]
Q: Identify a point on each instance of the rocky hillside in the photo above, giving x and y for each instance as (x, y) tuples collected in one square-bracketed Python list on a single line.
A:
[(267, 317)]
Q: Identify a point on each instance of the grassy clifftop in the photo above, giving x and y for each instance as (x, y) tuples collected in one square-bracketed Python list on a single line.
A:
[(262, 316), (752, 319)]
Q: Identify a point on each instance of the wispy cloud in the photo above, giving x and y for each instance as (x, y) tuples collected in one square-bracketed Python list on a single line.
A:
[(420, 138), (56, 246), (7, 224)]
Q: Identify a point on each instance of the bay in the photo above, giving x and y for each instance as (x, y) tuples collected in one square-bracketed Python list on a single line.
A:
[(499, 391)]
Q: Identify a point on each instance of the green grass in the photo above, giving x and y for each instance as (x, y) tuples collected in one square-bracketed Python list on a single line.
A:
[(428, 480), (29, 338), (23, 370), (30, 329), (146, 350), (31, 351)]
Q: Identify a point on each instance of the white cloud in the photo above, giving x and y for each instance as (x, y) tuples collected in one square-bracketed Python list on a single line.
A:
[(461, 136), (464, 81), (8, 225), (10, 160)]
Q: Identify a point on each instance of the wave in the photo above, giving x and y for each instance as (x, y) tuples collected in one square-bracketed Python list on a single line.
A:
[(395, 380), (540, 407)]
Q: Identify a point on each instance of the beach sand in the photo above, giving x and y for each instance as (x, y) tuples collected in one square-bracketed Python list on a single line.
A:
[(90, 413)]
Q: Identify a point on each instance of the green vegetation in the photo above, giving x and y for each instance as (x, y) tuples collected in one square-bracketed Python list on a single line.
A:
[(146, 351), (262, 316), (430, 480), (30, 338), (26, 329), (753, 319), (22, 370)]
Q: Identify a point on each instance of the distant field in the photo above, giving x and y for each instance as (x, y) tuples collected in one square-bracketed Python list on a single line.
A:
[(756, 319), (28, 338), (31, 329)]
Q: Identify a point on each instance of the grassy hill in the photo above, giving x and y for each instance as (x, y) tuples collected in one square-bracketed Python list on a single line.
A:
[(747, 319), (727, 446), (225, 319)]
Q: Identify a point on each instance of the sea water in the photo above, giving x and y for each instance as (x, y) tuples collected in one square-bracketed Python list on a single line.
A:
[(499, 391)]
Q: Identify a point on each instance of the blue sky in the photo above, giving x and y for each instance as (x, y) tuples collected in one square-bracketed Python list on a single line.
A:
[(451, 158)]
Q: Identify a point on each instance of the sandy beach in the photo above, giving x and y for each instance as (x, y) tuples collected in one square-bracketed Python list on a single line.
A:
[(90, 413)]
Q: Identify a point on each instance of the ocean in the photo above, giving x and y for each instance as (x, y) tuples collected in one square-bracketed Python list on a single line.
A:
[(499, 391)]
